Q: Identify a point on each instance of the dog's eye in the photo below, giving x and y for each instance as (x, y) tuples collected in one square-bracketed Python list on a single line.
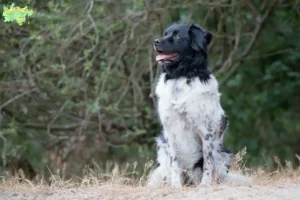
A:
[(176, 36)]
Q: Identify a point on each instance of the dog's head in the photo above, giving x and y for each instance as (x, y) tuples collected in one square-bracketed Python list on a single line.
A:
[(181, 46)]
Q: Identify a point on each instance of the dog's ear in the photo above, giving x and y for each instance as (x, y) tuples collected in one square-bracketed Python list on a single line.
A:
[(199, 38), (208, 37)]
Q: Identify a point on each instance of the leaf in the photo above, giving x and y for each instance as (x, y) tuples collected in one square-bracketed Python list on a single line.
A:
[(88, 65), (93, 108), (16, 14)]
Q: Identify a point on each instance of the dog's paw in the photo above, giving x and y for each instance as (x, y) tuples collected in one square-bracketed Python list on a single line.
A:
[(205, 185), (176, 185), (206, 182), (235, 177)]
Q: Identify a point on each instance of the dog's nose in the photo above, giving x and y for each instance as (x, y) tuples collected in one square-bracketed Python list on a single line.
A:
[(157, 41)]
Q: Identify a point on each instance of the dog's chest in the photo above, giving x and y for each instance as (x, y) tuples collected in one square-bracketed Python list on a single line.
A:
[(178, 99), (173, 98)]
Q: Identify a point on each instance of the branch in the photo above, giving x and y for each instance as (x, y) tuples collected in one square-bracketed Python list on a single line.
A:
[(70, 126), (255, 14), (236, 44), (250, 45), (283, 51), (17, 97)]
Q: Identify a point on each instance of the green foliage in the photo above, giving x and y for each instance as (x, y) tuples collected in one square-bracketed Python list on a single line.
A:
[(76, 84), (17, 14)]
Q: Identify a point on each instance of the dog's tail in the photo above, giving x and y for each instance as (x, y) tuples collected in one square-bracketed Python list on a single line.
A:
[(237, 177)]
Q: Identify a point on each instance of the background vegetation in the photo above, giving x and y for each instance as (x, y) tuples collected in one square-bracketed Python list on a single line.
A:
[(76, 84)]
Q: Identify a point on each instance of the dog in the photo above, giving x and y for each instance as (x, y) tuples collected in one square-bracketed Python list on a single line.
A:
[(190, 148)]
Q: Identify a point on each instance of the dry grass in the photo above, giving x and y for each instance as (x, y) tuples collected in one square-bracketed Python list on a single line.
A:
[(260, 175), (119, 184)]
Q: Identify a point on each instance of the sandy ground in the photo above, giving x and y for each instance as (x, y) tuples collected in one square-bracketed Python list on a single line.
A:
[(268, 191), (282, 184)]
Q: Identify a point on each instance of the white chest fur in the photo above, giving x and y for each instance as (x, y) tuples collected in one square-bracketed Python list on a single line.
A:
[(177, 102)]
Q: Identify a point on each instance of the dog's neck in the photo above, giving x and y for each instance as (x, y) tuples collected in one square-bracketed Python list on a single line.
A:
[(192, 67)]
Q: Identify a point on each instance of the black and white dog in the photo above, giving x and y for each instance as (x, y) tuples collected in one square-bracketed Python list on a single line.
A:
[(190, 148)]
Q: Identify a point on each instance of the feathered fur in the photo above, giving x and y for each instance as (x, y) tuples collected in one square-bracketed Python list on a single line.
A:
[(190, 148)]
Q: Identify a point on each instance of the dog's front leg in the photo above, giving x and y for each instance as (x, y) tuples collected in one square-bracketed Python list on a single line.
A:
[(175, 171), (208, 166), (176, 177)]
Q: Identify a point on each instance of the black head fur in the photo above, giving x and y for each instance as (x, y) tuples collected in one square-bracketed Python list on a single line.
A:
[(190, 43)]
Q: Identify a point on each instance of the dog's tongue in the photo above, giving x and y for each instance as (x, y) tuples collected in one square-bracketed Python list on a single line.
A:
[(165, 56)]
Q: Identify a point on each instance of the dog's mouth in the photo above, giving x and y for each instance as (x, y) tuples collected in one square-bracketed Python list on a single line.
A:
[(164, 57)]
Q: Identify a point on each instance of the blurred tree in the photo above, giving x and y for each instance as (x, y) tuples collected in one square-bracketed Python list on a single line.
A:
[(76, 84)]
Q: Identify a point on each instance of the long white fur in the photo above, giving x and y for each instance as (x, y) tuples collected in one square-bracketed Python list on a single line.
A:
[(189, 113)]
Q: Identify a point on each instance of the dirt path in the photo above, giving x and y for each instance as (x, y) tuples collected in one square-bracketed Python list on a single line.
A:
[(274, 191)]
